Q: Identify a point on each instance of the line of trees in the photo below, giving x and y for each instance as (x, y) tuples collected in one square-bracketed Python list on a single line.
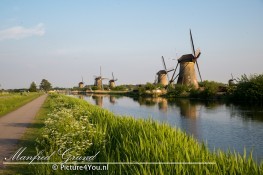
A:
[(45, 85)]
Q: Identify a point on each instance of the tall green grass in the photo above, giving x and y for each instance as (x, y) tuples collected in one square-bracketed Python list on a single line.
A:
[(74, 123), (12, 101)]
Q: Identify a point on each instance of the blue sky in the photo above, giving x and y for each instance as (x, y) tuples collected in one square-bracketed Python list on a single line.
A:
[(64, 40)]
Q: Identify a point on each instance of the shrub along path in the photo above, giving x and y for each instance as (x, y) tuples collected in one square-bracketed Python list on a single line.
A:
[(14, 124)]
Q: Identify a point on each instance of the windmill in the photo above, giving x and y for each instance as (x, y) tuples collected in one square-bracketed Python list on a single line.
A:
[(81, 84), (187, 62), (98, 81), (112, 82), (231, 82), (162, 75)]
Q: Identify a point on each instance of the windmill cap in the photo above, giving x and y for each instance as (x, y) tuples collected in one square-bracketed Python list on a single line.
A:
[(162, 72), (186, 58), (97, 78)]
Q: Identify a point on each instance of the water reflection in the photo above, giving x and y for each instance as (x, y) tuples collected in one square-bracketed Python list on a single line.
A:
[(221, 125), (112, 99), (162, 104), (187, 108), (98, 99), (246, 112), (149, 101)]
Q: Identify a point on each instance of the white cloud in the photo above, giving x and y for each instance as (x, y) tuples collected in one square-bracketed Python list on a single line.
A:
[(20, 32)]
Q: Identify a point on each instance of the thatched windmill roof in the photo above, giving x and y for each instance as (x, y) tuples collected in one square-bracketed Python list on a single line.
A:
[(186, 58), (161, 72)]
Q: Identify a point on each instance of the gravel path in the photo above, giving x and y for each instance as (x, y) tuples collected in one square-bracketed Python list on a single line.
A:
[(14, 124)]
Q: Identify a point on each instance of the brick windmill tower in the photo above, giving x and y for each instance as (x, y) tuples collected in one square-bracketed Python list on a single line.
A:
[(187, 75), (162, 75), (112, 82), (98, 81), (81, 84)]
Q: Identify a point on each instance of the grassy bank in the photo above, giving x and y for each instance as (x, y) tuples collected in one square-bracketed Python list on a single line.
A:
[(12, 101), (88, 129)]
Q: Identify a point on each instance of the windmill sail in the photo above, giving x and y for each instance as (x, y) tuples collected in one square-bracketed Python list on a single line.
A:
[(193, 47), (196, 55)]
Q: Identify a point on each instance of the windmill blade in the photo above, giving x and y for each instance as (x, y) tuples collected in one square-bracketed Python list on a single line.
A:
[(100, 70), (174, 73), (156, 79), (193, 47), (164, 65), (165, 68), (197, 53), (115, 79), (169, 70), (112, 76), (198, 71), (181, 70)]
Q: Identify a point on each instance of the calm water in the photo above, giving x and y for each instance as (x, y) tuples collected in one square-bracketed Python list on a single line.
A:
[(221, 125)]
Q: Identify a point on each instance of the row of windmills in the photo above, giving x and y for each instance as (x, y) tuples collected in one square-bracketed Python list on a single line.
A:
[(98, 81), (186, 75)]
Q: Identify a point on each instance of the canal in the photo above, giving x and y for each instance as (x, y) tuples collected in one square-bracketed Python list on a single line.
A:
[(220, 125)]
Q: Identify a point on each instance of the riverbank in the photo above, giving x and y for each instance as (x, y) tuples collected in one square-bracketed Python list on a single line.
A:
[(100, 92), (74, 123), (248, 89)]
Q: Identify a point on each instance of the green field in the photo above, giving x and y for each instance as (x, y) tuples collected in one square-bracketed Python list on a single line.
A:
[(74, 123), (10, 102)]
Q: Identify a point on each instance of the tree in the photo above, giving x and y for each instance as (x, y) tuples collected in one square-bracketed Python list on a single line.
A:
[(33, 87), (45, 85)]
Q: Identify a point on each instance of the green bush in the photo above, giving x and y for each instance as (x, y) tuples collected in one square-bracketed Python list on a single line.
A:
[(119, 88), (149, 87), (195, 93), (249, 88), (210, 89), (94, 88), (178, 90)]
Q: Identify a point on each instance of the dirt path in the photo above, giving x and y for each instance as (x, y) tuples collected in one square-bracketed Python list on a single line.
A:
[(14, 124)]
